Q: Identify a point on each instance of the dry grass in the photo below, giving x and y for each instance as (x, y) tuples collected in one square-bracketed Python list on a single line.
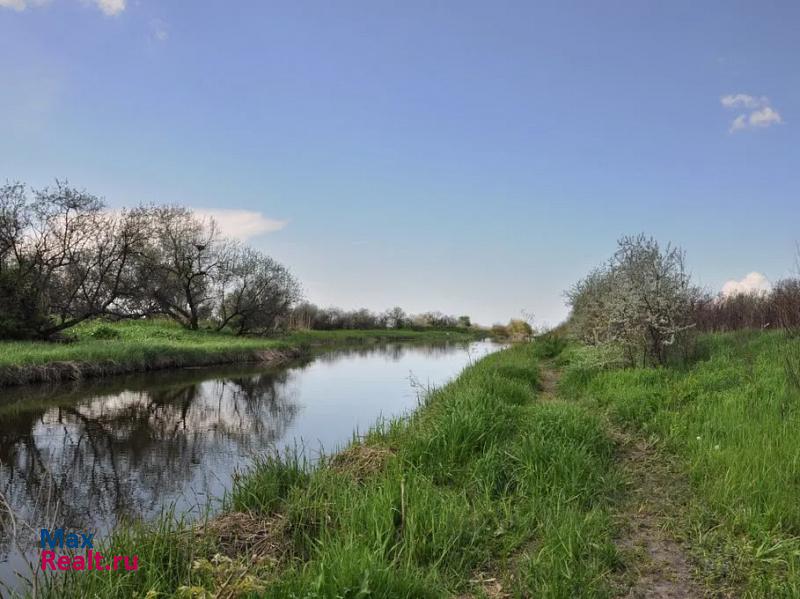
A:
[(243, 534), (362, 461)]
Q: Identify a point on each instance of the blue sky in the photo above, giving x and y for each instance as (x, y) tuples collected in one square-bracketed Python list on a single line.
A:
[(470, 157)]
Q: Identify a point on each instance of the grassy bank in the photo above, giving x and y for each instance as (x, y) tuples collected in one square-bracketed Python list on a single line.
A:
[(486, 485), (132, 346), (731, 422)]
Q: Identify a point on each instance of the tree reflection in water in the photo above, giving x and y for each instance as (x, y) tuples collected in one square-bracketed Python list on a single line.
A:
[(107, 456), (395, 351)]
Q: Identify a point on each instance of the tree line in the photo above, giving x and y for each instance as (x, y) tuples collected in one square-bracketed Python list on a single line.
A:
[(310, 316), (778, 308), (643, 302), (66, 258)]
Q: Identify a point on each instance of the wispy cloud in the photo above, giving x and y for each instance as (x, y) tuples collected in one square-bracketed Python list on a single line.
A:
[(158, 30), (242, 224), (761, 114), (743, 101), (13, 4), (754, 282), (110, 7), (20, 5), (107, 7)]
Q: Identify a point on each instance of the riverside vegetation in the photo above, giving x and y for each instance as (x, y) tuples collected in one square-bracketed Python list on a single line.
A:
[(509, 483), (100, 348)]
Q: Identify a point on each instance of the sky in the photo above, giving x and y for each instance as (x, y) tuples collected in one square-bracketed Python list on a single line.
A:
[(470, 157)]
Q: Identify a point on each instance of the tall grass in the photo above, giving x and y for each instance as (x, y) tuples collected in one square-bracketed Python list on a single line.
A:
[(483, 480), (734, 419)]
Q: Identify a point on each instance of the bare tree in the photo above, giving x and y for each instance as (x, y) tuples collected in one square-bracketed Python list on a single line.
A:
[(63, 257), (304, 316), (177, 267), (254, 292), (396, 318)]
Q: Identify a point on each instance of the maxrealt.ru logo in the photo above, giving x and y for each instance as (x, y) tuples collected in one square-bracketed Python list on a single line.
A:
[(80, 541)]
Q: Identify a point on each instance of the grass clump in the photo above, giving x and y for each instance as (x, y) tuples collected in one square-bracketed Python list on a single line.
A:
[(266, 487), (483, 481)]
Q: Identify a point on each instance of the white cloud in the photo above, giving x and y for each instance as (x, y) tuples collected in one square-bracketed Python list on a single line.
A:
[(764, 117), (740, 122), (754, 282), (242, 224), (110, 7), (13, 4), (761, 113), (20, 5), (743, 100)]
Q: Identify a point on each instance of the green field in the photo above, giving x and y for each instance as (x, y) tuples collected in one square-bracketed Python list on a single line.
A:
[(98, 348), (509, 480)]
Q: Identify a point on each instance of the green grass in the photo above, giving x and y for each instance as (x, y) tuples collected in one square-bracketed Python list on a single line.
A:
[(733, 421), (103, 348), (483, 479)]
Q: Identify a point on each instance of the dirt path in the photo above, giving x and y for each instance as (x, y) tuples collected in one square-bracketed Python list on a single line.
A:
[(654, 490), (549, 384), (659, 567)]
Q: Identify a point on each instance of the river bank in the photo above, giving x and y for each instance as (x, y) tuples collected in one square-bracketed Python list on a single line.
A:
[(102, 349), (481, 481)]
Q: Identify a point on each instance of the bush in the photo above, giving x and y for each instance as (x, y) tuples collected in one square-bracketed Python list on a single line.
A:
[(550, 345), (498, 330), (519, 329)]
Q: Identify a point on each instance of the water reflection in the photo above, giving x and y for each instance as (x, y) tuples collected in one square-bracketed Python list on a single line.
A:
[(84, 456), (111, 456), (395, 352)]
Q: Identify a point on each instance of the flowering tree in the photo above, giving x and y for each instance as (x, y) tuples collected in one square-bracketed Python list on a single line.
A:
[(641, 299)]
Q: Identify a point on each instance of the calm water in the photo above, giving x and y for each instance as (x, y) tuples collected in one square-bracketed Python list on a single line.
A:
[(84, 456)]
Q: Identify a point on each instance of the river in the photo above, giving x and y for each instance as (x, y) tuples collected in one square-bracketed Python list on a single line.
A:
[(86, 455)]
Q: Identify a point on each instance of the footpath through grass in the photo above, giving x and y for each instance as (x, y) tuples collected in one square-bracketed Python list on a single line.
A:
[(731, 421), (484, 490), (100, 348)]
